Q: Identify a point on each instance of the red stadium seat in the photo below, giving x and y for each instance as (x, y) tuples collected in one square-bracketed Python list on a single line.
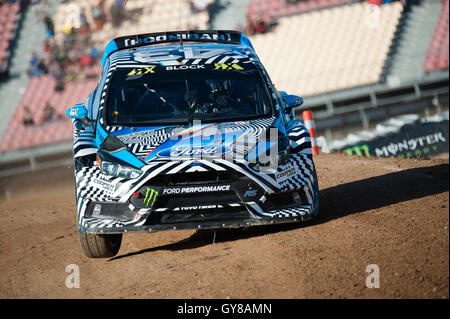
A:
[(40, 91), (279, 8), (438, 52), (8, 15)]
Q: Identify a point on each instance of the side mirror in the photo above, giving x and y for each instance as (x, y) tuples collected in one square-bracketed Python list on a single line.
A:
[(292, 101), (77, 112), (80, 113)]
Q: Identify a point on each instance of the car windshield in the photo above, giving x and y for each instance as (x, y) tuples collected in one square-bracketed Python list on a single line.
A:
[(156, 95)]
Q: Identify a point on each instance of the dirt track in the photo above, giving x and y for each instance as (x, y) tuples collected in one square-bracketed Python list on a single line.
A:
[(389, 212)]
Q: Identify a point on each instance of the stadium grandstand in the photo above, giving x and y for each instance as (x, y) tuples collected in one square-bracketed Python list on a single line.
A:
[(9, 17), (355, 62), (307, 57)]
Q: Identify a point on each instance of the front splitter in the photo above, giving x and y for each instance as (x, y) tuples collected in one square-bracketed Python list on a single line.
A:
[(194, 226)]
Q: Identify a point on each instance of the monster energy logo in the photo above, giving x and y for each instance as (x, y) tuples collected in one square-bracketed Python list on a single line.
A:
[(150, 197), (360, 150)]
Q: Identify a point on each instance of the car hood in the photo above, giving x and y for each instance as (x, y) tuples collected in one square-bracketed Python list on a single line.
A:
[(213, 140)]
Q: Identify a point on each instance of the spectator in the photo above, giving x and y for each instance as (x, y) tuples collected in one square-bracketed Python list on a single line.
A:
[(62, 55), (74, 55), (85, 29), (27, 116), (98, 14), (95, 54), (35, 67), (86, 60), (49, 113), (46, 48), (59, 75), (117, 13), (261, 26), (49, 26), (47, 53), (83, 20), (42, 67)]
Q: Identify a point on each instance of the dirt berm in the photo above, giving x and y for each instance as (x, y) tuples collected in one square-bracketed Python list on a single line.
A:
[(389, 212)]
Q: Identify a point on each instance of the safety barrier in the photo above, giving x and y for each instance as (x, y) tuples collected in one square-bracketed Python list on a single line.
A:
[(309, 123)]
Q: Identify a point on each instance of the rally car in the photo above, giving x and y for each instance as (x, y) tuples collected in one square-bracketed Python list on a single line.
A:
[(185, 130)]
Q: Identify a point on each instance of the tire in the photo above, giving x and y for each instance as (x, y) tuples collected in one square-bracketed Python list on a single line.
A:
[(100, 245), (316, 190)]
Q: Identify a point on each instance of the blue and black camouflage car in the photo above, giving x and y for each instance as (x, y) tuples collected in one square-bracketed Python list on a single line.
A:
[(185, 130)]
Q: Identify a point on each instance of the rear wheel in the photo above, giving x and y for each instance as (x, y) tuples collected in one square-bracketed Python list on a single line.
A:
[(100, 245)]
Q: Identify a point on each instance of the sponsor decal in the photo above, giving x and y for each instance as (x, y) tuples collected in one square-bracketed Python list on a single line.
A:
[(176, 36), (197, 207), (74, 112), (194, 151), (409, 145), (227, 66), (360, 150), (141, 71), (250, 193), (105, 185), (150, 197), (196, 189), (412, 148), (185, 67), (286, 173), (413, 141), (170, 57)]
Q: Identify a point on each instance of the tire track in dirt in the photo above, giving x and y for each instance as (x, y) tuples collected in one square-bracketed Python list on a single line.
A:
[(389, 212)]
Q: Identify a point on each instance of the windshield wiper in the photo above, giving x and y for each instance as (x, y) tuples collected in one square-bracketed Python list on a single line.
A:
[(174, 108)]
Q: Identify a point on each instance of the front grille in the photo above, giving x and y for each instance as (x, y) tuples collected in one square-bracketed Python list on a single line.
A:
[(213, 215), (199, 199), (197, 178)]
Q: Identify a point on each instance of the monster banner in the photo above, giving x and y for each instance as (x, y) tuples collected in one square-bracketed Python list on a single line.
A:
[(417, 140)]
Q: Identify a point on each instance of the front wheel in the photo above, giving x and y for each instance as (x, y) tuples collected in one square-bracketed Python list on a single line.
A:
[(316, 193), (100, 245)]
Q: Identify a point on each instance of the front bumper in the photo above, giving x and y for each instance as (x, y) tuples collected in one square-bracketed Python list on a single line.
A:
[(204, 199), (243, 218), (125, 217)]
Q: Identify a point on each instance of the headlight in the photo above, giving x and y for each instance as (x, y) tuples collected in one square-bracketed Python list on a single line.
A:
[(272, 162), (284, 149), (283, 156), (118, 170)]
